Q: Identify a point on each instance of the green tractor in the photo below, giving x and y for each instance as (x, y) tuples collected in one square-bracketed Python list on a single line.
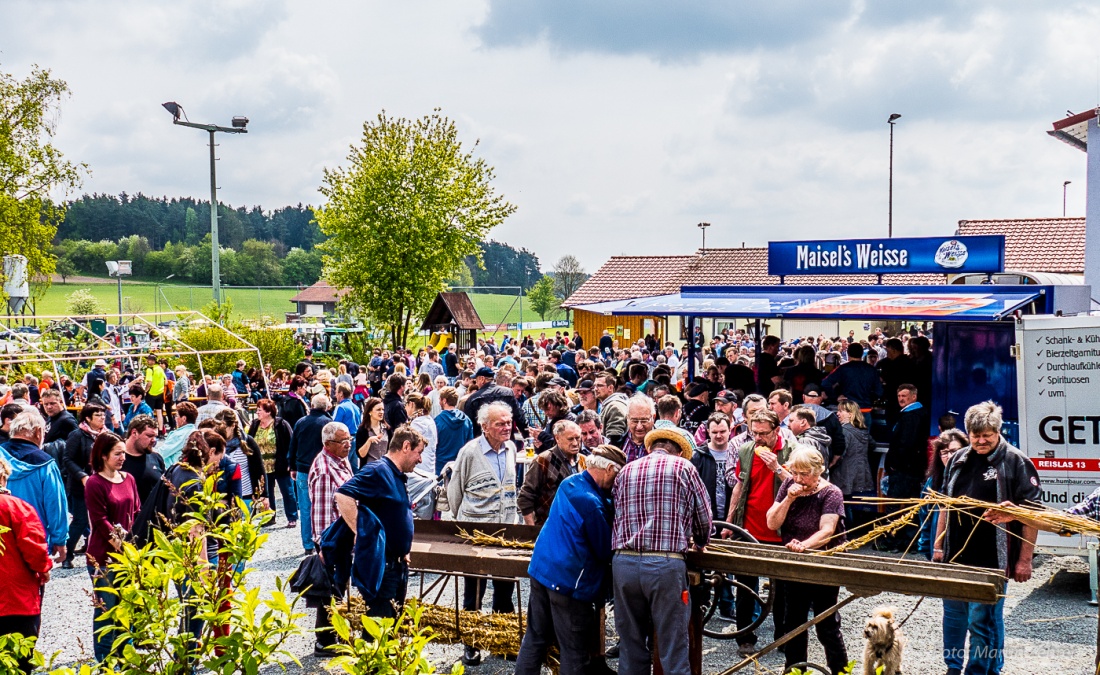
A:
[(339, 342)]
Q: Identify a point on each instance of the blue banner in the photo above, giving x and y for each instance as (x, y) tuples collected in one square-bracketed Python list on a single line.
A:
[(936, 255)]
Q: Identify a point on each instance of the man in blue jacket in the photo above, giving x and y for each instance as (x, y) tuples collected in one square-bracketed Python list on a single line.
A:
[(570, 569), (36, 478), (305, 445)]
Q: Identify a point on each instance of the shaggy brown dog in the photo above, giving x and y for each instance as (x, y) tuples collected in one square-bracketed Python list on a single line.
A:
[(884, 643)]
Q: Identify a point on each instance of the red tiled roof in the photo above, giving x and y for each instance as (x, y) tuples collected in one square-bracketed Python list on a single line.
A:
[(631, 276), (625, 277), (1036, 244), (319, 292)]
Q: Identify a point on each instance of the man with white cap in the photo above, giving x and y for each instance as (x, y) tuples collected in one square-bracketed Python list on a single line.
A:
[(661, 510), (98, 372)]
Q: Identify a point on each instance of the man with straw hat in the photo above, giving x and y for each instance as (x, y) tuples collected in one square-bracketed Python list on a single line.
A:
[(569, 569), (661, 509)]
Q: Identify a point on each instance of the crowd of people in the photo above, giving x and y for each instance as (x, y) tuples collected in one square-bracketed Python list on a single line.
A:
[(622, 457)]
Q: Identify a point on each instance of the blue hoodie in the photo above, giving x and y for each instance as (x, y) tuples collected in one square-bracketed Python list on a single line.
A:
[(36, 479), (454, 430)]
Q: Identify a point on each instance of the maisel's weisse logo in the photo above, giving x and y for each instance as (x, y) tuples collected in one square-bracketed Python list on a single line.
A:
[(952, 254), (936, 255)]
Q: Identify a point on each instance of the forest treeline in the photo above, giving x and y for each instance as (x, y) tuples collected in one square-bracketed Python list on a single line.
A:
[(171, 237)]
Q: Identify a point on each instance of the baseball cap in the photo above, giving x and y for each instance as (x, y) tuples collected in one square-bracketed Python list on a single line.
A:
[(484, 371), (811, 390), (559, 382), (101, 363), (727, 396), (585, 385), (610, 452)]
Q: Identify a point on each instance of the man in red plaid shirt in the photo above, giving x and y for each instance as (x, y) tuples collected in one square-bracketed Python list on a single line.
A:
[(661, 510), (330, 470)]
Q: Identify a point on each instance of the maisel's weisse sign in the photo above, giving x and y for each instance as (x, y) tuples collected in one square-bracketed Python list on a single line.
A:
[(936, 255)]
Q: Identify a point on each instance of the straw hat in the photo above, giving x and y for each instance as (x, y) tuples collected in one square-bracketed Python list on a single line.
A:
[(673, 435)]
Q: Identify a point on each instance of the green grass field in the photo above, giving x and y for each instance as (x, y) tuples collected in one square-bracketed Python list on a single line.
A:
[(251, 303)]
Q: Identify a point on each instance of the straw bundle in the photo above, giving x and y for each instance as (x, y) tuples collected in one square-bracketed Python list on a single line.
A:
[(495, 633), (352, 610), (890, 526), (1051, 520), (479, 538)]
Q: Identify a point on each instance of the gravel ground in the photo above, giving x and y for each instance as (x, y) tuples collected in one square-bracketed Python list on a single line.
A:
[(1051, 628)]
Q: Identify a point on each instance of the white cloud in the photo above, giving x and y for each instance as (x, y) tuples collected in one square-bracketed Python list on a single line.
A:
[(614, 126)]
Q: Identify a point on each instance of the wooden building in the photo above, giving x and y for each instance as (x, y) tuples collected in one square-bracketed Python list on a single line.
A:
[(454, 313), (318, 300)]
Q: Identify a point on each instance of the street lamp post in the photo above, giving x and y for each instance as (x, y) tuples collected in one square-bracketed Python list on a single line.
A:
[(890, 218), (239, 124), (1064, 197), (119, 269)]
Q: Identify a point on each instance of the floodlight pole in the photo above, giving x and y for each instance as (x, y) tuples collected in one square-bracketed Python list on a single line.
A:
[(890, 199), (215, 249), (215, 254)]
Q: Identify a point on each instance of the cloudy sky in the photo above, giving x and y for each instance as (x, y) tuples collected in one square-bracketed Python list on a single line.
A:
[(615, 126)]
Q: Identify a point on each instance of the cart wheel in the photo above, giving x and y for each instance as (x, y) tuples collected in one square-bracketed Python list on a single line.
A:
[(809, 669), (714, 626)]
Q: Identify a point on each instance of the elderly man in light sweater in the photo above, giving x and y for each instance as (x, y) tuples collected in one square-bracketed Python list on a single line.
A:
[(482, 489)]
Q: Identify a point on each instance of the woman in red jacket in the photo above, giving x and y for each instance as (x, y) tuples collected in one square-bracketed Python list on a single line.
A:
[(24, 565)]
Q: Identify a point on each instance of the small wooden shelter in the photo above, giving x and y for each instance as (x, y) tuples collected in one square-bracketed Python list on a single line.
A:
[(454, 313)]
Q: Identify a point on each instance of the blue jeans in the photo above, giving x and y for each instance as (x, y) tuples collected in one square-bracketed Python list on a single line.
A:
[(103, 602), (986, 626), (651, 595), (304, 510), (289, 490)]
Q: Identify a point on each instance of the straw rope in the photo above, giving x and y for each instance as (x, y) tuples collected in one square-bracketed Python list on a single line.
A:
[(479, 538)]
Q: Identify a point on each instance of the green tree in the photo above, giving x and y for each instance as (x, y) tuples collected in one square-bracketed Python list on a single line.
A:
[(301, 267), (32, 168), (402, 216), (462, 278), (542, 298), (65, 268), (81, 302), (264, 267)]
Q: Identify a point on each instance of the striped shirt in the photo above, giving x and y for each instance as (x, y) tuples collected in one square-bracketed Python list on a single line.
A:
[(660, 505), (326, 475)]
